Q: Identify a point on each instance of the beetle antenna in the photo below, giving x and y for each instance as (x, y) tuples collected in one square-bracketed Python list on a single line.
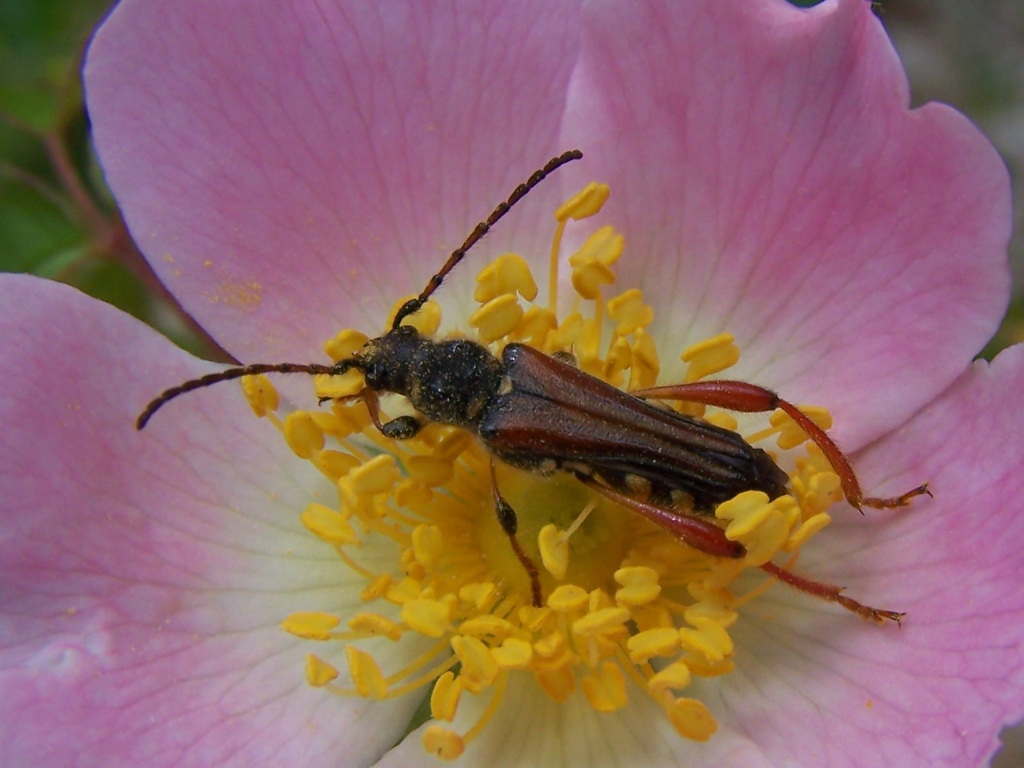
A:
[(413, 305), (167, 395)]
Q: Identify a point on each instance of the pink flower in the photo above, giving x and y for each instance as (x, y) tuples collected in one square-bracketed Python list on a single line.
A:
[(294, 168)]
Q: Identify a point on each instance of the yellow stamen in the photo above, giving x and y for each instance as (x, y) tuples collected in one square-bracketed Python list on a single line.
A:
[(444, 699), (508, 274), (602, 621), (478, 665), (673, 677), (585, 203), (303, 435), (334, 387), (592, 262), (345, 344), (428, 617), (443, 743), (710, 356), (568, 598), (378, 475), (415, 519), (328, 524), (639, 585), (312, 625), (554, 551), (605, 687), (365, 674), (513, 653), (642, 647), (497, 318), (318, 672), (261, 394), (630, 312), (692, 720), (374, 625)]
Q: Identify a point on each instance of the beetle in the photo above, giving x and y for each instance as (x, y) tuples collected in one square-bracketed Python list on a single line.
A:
[(541, 413)]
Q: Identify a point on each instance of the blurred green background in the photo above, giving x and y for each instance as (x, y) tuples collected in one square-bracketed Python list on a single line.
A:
[(57, 219)]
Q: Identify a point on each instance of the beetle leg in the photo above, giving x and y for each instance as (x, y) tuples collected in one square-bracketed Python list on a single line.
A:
[(705, 536), (400, 428), (701, 534), (510, 525), (832, 594), (750, 398)]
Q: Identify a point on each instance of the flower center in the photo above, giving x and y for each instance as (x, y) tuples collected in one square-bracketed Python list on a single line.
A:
[(626, 608), (547, 509)]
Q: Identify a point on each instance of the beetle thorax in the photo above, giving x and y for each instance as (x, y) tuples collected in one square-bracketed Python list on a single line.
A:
[(447, 381)]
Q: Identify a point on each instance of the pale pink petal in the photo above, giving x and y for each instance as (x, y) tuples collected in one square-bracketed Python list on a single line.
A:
[(825, 689), (293, 168), (532, 730), (772, 182), (144, 574), (817, 687)]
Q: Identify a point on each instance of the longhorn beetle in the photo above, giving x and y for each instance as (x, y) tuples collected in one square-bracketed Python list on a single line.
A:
[(543, 414)]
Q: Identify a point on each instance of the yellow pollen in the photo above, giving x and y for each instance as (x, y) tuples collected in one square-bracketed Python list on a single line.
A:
[(312, 625), (365, 673), (639, 585), (444, 699), (480, 626), (601, 622), (427, 543), (568, 598), (605, 687), (497, 318), (810, 527), (710, 356), (479, 668), (378, 475), (509, 274), (261, 394), (630, 312), (345, 344), (443, 743), (318, 672), (348, 383), (646, 645), (592, 262), (674, 677), (303, 435), (554, 551), (430, 471), (622, 599), (585, 203), (428, 617), (513, 653), (374, 625), (328, 524), (692, 719)]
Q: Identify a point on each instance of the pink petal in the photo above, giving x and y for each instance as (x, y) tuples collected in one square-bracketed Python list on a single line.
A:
[(293, 168), (771, 181), (531, 730), (144, 574), (821, 688), (818, 687)]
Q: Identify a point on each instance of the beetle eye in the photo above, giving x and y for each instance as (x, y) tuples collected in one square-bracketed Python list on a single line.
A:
[(374, 374)]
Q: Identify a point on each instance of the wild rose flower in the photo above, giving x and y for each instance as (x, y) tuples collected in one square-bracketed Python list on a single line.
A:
[(293, 170)]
